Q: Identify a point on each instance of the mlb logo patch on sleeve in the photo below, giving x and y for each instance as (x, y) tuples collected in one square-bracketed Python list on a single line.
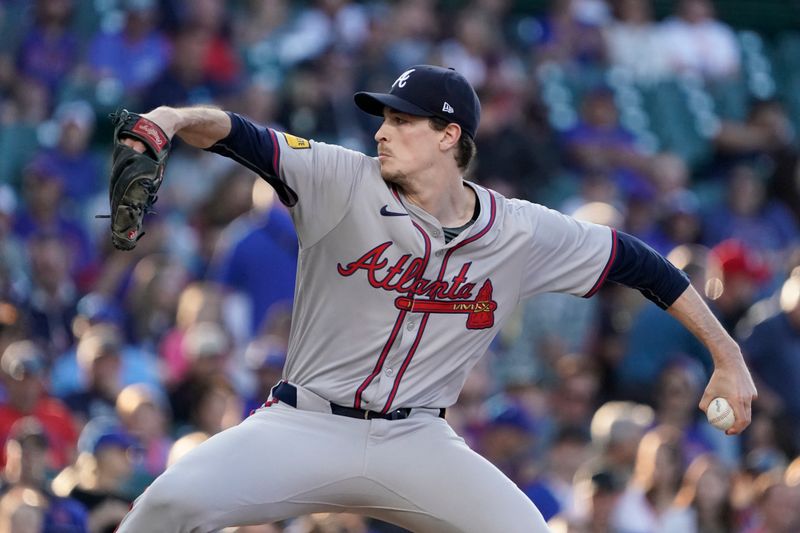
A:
[(297, 143)]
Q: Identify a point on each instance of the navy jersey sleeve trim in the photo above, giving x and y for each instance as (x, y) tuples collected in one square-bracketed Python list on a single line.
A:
[(638, 266), (256, 148), (604, 274)]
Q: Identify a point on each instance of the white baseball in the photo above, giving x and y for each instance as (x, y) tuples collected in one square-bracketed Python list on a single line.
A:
[(720, 414)]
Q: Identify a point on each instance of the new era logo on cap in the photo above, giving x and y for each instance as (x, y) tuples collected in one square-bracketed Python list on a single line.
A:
[(428, 91)]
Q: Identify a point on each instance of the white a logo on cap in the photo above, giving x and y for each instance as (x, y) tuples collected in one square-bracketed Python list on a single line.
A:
[(401, 81), (447, 108)]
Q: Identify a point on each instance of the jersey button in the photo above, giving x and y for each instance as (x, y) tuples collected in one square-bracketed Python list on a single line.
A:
[(435, 233), (389, 372), (439, 253), (410, 326)]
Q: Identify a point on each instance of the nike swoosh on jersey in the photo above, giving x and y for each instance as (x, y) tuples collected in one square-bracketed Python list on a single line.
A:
[(385, 212)]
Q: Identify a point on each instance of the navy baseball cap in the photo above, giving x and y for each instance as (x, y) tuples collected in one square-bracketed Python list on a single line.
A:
[(428, 91), (103, 431)]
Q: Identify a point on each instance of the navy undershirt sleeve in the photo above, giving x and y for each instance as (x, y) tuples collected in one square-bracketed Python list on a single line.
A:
[(256, 148), (638, 266)]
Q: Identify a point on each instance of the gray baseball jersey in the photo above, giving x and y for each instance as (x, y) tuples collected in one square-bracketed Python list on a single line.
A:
[(387, 314)]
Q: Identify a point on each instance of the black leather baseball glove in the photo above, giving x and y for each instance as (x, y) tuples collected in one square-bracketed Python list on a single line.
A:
[(135, 177)]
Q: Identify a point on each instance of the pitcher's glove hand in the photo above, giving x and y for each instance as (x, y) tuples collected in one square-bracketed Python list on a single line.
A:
[(135, 176)]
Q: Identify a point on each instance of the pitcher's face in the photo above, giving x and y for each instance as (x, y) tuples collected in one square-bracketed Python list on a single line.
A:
[(407, 145)]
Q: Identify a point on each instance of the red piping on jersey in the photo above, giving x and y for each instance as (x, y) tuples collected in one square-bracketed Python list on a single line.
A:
[(396, 328), (407, 360), (397, 196), (276, 155), (400, 317), (611, 256)]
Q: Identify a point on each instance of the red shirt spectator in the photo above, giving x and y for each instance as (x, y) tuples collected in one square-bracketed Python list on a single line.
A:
[(23, 371)]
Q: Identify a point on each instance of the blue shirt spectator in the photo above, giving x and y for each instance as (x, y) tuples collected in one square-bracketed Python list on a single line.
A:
[(65, 515), (135, 56), (773, 353), (262, 264), (655, 339), (26, 226), (44, 213), (70, 159), (50, 50), (81, 173), (186, 81), (748, 216), (137, 366), (600, 144)]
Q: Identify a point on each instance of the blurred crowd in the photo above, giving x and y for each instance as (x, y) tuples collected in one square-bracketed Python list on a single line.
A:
[(678, 129)]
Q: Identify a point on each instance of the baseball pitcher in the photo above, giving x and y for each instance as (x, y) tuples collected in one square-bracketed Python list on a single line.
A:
[(406, 273)]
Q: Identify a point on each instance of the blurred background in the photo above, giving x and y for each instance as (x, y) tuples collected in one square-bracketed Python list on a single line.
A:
[(674, 121)]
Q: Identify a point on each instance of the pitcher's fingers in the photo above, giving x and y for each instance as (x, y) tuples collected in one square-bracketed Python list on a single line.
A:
[(705, 401), (133, 143), (741, 415), (749, 410)]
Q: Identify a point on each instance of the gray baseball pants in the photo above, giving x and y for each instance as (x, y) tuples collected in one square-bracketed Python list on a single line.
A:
[(283, 462)]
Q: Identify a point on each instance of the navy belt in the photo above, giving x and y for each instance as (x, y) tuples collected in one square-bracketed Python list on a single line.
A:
[(287, 393)]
